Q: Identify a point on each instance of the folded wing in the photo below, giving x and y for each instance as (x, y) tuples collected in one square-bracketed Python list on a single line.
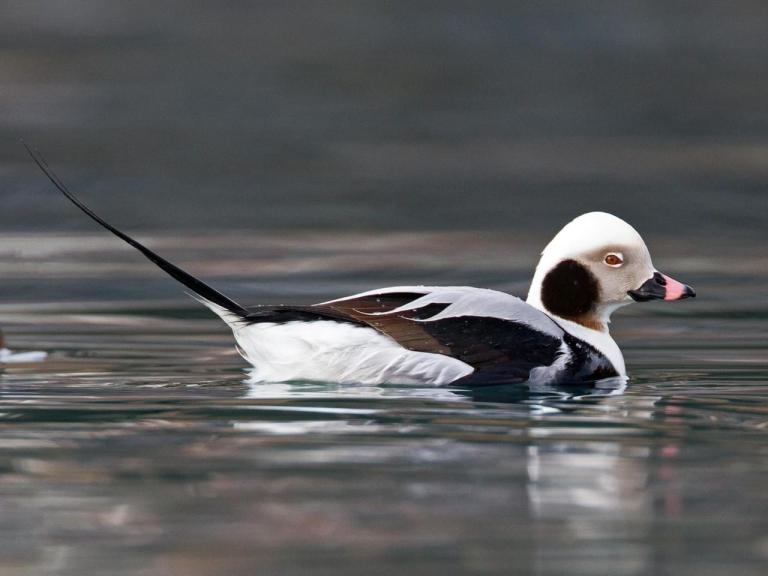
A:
[(491, 331)]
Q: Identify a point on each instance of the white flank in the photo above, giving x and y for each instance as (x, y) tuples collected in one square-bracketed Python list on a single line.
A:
[(330, 351), (339, 352)]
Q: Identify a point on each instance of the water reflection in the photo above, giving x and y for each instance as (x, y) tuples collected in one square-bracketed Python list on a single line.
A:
[(548, 484), (542, 393)]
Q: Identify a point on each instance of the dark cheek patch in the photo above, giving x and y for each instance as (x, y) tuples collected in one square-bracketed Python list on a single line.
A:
[(569, 290)]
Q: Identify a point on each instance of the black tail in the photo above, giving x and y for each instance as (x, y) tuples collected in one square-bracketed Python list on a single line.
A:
[(197, 286)]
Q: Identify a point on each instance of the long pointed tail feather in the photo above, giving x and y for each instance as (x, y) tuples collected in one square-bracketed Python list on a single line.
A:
[(197, 286)]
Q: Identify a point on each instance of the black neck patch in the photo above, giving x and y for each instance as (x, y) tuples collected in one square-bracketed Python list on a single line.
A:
[(569, 290)]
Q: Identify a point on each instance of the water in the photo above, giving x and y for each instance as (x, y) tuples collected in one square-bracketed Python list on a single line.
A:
[(137, 447), (291, 152)]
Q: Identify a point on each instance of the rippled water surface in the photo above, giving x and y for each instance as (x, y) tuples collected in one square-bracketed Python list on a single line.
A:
[(138, 448)]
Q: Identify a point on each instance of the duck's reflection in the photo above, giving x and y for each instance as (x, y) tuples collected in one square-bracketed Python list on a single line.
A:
[(501, 393), (516, 393)]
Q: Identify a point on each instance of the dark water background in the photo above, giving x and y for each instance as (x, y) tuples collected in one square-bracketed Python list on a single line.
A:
[(292, 152)]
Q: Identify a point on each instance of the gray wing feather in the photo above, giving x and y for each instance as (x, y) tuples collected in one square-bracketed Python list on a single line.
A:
[(467, 301)]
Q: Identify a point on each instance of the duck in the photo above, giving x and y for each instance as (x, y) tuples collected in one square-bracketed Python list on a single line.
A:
[(449, 335), (8, 356)]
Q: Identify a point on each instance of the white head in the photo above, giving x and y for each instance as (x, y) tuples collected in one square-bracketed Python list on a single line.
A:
[(594, 265)]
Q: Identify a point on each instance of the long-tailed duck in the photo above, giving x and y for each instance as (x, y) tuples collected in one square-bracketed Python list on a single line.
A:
[(451, 335), (8, 356)]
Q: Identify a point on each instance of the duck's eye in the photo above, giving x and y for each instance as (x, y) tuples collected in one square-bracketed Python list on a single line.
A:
[(614, 260)]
